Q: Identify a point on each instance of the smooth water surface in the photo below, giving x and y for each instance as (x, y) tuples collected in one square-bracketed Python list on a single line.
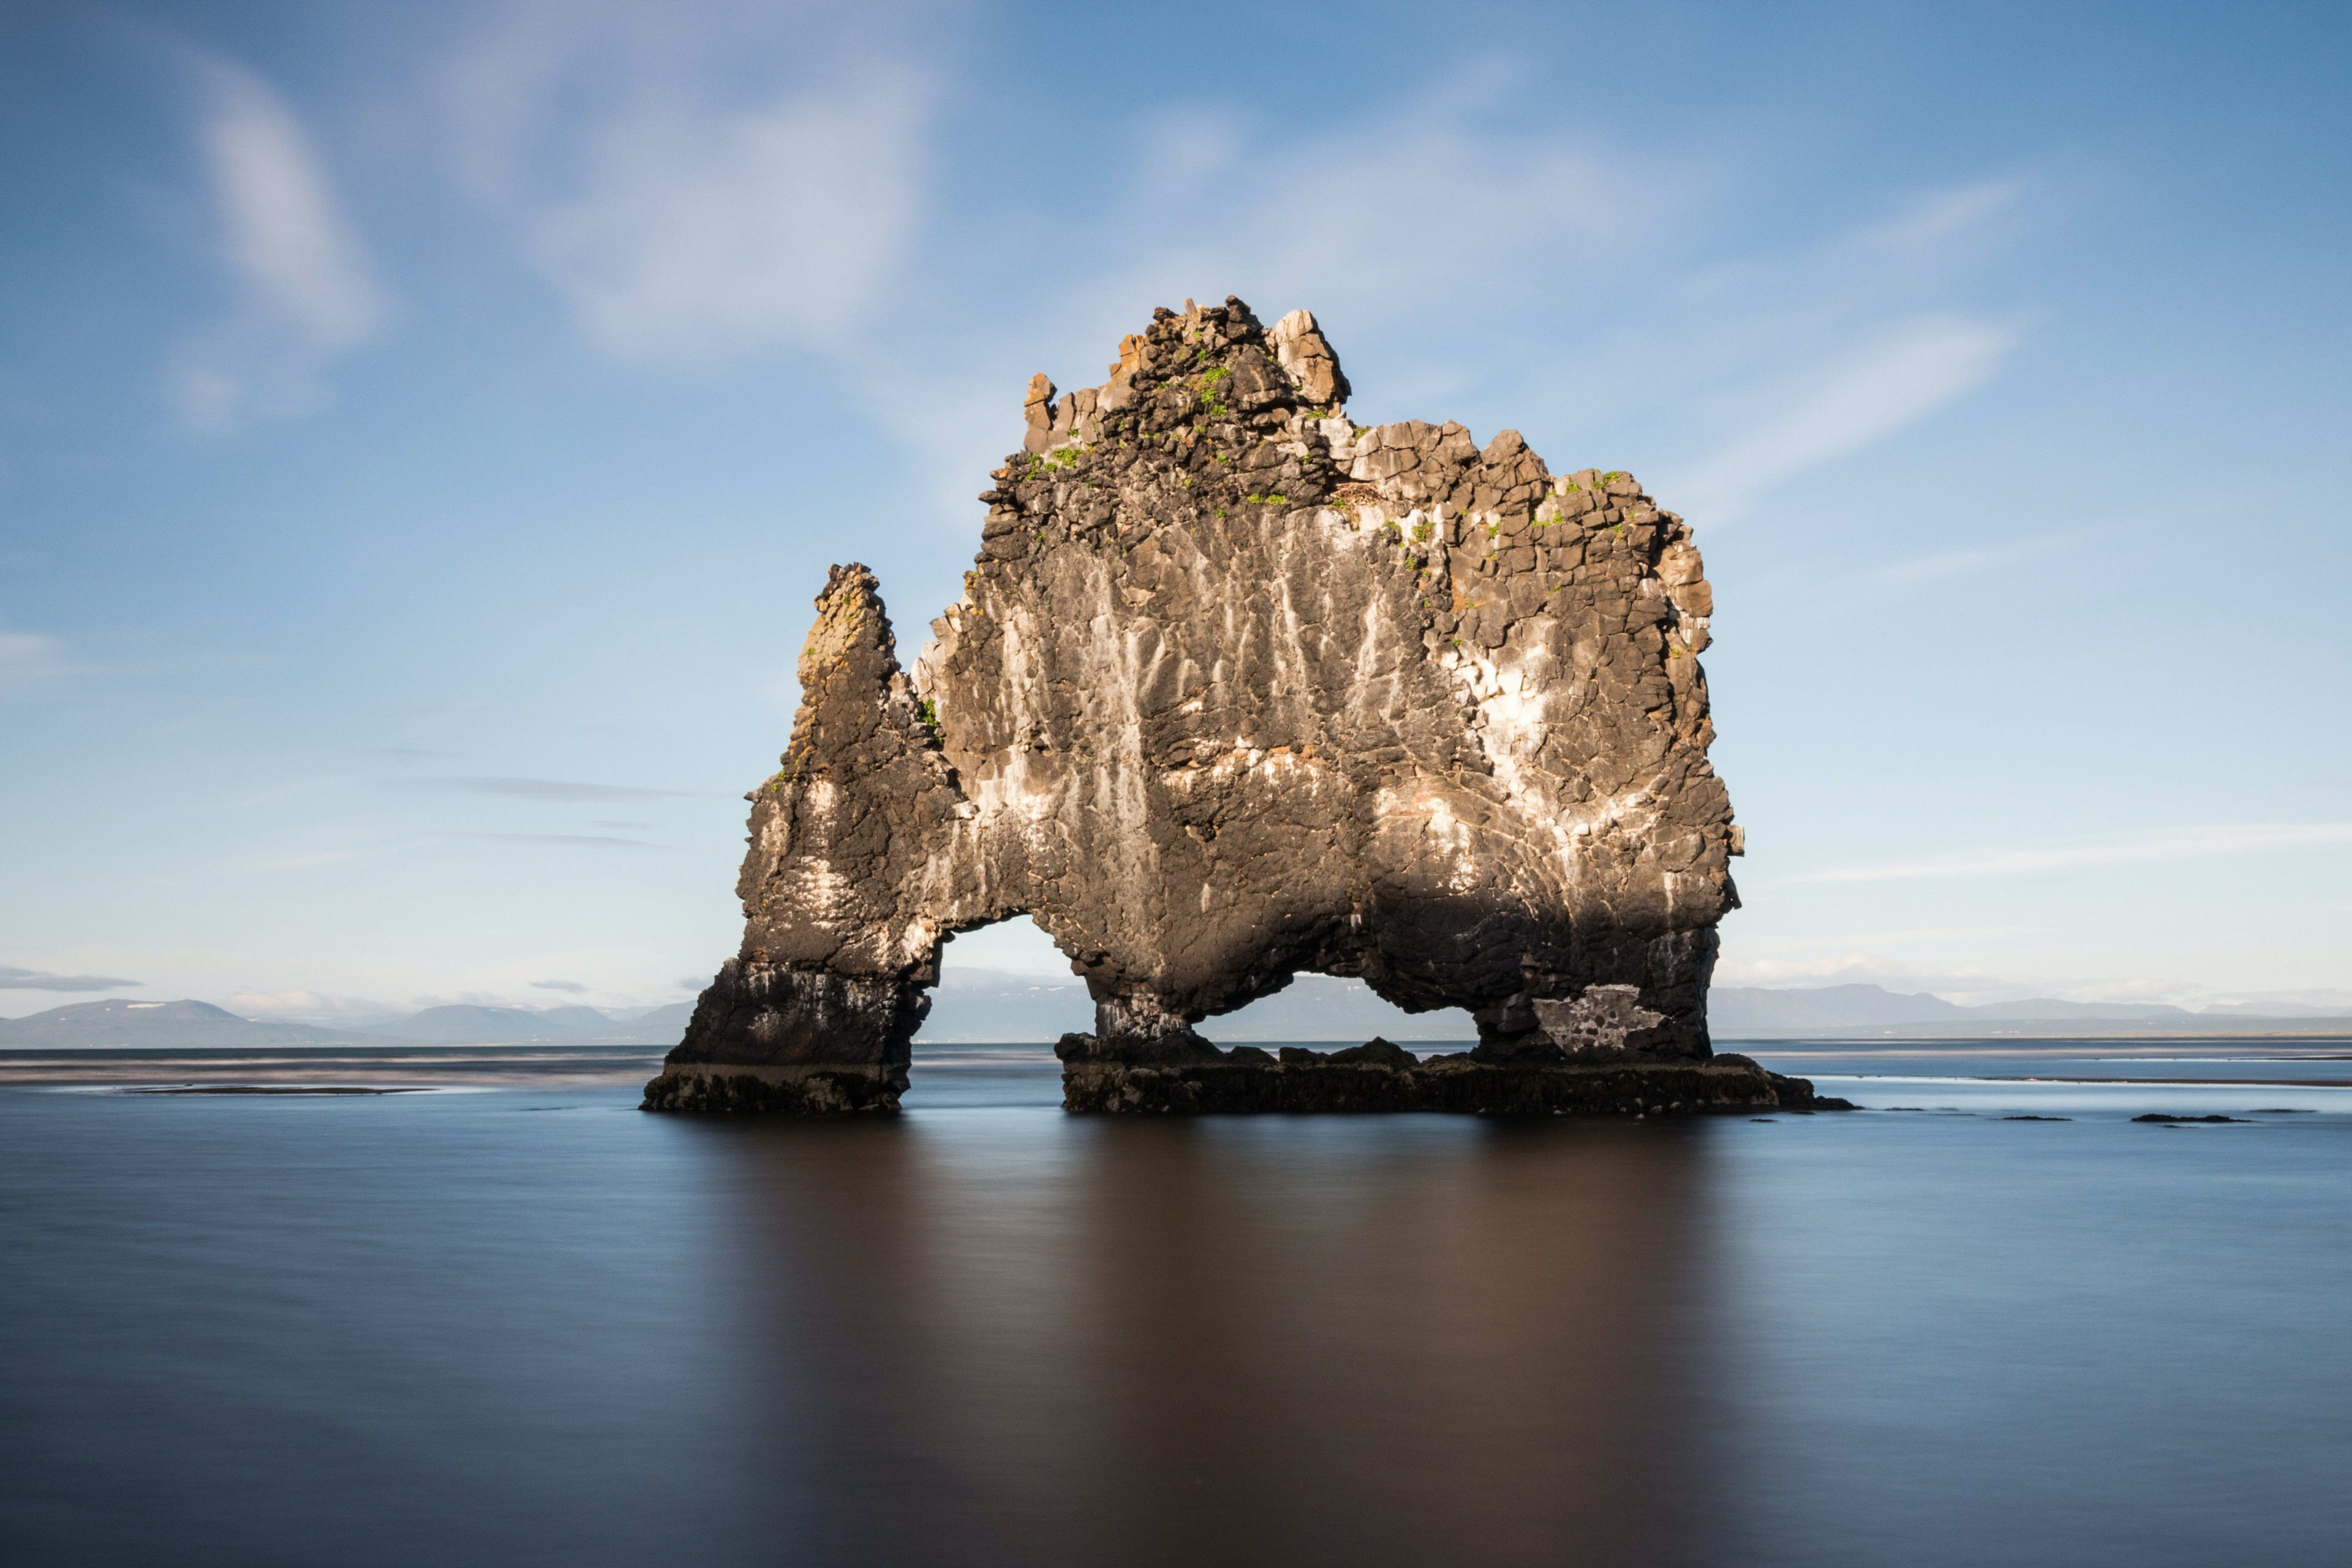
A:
[(532, 1325)]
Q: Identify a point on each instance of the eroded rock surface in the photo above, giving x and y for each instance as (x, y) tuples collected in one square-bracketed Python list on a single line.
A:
[(1239, 689)]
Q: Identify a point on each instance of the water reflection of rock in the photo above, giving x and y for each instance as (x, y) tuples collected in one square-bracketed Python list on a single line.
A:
[(1407, 1341)]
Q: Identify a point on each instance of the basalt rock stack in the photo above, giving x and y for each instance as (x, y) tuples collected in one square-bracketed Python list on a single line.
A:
[(1238, 688)]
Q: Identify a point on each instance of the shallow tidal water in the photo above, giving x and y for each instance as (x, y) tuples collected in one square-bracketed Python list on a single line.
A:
[(520, 1323)]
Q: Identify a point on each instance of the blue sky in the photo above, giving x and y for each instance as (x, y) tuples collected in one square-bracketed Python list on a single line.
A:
[(423, 428)]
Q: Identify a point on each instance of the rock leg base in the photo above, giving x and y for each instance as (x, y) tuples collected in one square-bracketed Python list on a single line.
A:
[(775, 1090), (1721, 1084)]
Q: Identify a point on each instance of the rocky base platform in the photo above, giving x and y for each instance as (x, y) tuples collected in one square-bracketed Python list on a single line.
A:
[(1380, 1076), (802, 1091), (1375, 1076)]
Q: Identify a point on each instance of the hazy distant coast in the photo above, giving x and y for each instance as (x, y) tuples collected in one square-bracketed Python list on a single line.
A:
[(983, 1005), (191, 1024), (1838, 1012)]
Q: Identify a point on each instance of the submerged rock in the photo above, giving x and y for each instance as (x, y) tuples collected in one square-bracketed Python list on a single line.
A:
[(1238, 690)]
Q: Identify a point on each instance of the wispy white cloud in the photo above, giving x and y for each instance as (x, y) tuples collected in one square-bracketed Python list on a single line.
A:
[(1939, 936), (567, 790), (1576, 212), (1210, 203), (1890, 384), (699, 240), (2319, 999), (1769, 366), (714, 182), (30, 662), (307, 290), (1931, 228), (305, 1007), (564, 840), (2170, 844), (1583, 306), (297, 861), (1900, 575), (701, 184), (15, 979)]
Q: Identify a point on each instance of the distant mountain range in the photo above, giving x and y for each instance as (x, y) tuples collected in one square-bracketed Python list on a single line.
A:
[(976, 1005), (1752, 1013), (982, 1004), (199, 1026), (188, 1024)]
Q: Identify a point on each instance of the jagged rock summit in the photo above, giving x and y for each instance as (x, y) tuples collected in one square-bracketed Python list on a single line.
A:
[(1238, 688)]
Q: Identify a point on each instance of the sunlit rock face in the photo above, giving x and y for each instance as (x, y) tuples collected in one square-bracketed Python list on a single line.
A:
[(1239, 689)]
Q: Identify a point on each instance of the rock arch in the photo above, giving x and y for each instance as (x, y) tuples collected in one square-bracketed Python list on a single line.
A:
[(1236, 690)]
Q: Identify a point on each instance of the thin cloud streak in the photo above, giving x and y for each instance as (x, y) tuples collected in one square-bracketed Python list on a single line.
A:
[(2176, 844), (301, 861), (1904, 574), (1932, 935), (1936, 225), (29, 661), (573, 840), (14, 979), (310, 291), (545, 789), (1908, 374)]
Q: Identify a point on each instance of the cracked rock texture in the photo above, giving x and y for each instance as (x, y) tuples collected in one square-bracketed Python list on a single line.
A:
[(1239, 689)]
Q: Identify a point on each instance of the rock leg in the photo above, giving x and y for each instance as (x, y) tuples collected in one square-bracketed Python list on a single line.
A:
[(771, 1037), (1137, 1026)]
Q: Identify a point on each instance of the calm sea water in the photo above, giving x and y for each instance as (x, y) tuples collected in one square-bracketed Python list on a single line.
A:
[(524, 1324)]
